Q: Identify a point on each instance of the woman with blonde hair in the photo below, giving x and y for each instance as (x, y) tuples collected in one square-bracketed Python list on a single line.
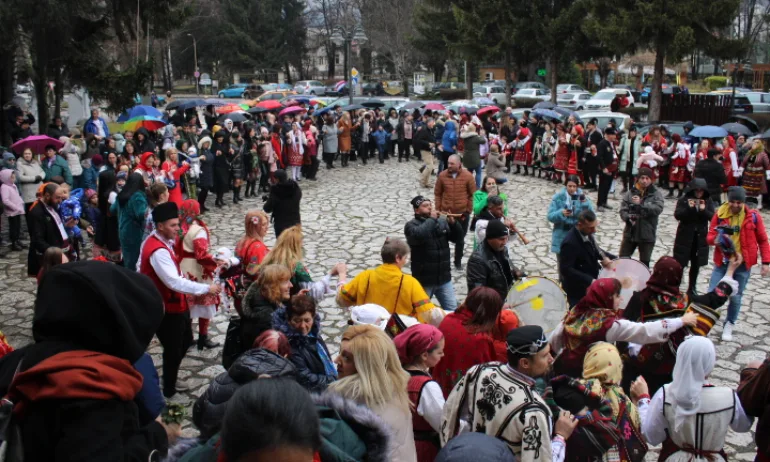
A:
[(174, 171), (251, 248), (288, 252), (269, 292), (371, 374)]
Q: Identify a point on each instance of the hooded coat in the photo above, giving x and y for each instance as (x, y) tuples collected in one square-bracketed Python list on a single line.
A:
[(221, 166), (145, 145), (92, 322), (206, 179), (449, 137), (283, 203), (58, 167), (210, 407), (693, 225), (11, 199), (311, 373)]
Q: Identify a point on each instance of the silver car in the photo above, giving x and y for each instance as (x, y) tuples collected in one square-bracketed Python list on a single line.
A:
[(575, 100), (310, 87), (759, 100)]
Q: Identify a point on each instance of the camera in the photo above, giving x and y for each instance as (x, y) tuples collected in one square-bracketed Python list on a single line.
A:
[(634, 210), (729, 230)]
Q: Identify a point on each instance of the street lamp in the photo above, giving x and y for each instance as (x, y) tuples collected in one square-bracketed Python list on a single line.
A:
[(344, 37), (197, 75)]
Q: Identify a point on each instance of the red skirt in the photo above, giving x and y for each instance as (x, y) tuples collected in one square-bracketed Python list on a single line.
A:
[(678, 174), (522, 157), (561, 159)]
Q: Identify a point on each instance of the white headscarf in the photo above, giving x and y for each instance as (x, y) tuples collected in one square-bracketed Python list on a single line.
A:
[(695, 360)]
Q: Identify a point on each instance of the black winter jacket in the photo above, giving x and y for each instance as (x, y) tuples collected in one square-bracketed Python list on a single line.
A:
[(693, 225), (311, 372), (236, 165), (714, 173), (206, 178), (257, 316), (422, 139), (283, 203), (57, 132), (484, 270), (641, 226), (209, 409), (428, 239)]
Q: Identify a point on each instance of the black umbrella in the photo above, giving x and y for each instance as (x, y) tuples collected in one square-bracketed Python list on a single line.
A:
[(735, 128), (544, 105), (236, 117), (748, 121), (214, 102), (257, 110), (765, 135), (352, 107), (373, 103), (412, 105), (567, 112), (175, 104), (191, 103)]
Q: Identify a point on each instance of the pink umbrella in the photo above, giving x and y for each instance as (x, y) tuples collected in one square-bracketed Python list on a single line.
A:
[(291, 110), (488, 110), (435, 107), (36, 143)]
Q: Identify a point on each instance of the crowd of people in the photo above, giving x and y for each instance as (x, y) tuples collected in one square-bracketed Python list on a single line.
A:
[(413, 380)]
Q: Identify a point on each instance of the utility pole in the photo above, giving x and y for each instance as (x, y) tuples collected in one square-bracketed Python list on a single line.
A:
[(196, 72)]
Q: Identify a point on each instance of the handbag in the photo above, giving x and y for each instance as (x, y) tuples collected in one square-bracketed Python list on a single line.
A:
[(233, 345)]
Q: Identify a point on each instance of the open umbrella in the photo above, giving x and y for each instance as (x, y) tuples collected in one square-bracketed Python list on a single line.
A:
[(567, 112), (765, 136), (229, 108), (236, 117), (36, 143), (270, 104), (735, 128), (146, 122), (412, 105), (291, 110), (214, 102), (323, 111), (483, 101), (708, 131), (295, 101), (373, 103), (317, 102), (488, 110), (137, 111), (175, 104), (352, 107), (191, 103), (747, 121), (435, 107), (257, 110), (544, 105), (549, 113)]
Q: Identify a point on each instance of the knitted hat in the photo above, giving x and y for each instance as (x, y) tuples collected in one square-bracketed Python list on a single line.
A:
[(736, 193), (97, 160), (89, 194), (496, 229), (645, 171)]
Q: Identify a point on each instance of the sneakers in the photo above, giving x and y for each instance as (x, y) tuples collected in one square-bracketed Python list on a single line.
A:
[(727, 332)]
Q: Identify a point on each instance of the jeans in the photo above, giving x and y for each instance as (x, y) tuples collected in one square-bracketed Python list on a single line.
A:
[(382, 152), (742, 277), (479, 172), (445, 294)]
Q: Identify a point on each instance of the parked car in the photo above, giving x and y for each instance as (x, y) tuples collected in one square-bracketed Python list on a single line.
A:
[(276, 94), (310, 87), (603, 98), (569, 88), (604, 117), (742, 103), (573, 100), (528, 85), (331, 90), (667, 89), (730, 89), (495, 93), (634, 92), (759, 101), (241, 90), (533, 93)]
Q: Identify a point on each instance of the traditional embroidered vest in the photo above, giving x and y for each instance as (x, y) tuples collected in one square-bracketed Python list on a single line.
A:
[(173, 302)]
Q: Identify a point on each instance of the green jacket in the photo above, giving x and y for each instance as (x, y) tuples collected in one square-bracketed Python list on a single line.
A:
[(131, 222), (58, 168)]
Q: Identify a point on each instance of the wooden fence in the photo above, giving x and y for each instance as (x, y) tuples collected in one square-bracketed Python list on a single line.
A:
[(700, 109)]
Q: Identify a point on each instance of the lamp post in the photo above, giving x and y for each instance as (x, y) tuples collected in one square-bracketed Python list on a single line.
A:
[(345, 37), (197, 75)]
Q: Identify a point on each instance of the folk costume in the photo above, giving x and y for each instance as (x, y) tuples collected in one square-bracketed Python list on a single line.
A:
[(498, 400), (755, 167)]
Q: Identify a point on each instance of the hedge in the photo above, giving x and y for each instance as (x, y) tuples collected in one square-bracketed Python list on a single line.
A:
[(715, 81), (525, 102)]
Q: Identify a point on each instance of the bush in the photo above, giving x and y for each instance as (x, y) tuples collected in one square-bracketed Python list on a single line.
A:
[(525, 102), (715, 81), (452, 93)]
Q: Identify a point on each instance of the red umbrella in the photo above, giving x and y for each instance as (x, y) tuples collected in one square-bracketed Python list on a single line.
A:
[(435, 107), (226, 109), (36, 143), (488, 110), (291, 110), (270, 104)]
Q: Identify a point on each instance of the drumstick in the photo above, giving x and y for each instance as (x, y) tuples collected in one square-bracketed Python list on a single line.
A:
[(510, 307)]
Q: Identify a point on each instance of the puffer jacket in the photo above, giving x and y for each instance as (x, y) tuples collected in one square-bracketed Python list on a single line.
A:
[(428, 239), (484, 270), (693, 224), (257, 315), (311, 373), (646, 226), (210, 407), (562, 224), (754, 243), (28, 172), (495, 165), (455, 195), (236, 165), (59, 167)]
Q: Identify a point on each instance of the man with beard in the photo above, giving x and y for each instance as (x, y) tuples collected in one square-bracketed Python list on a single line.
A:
[(640, 209), (159, 262), (490, 266), (46, 228), (519, 416), (428, 236), (454, 191)]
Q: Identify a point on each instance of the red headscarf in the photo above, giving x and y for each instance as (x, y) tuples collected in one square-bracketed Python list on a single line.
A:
[(579, 130), (144, 159), (599, 295), (416, 340), (666, 277), (586, 318), (190, 213)]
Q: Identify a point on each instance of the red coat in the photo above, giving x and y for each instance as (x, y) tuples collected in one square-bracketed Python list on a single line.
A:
[(753, 238), (175, 193)]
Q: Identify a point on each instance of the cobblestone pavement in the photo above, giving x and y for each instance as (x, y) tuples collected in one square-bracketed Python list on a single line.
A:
[(346, 216)]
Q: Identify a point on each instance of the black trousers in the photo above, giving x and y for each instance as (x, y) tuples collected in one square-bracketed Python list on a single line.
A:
[(14, 228), (645, 250), (589, 175), (403, 149), (692, 261), (605, 183), (203, 193), (312, 169), (176, 336), (460, 246)]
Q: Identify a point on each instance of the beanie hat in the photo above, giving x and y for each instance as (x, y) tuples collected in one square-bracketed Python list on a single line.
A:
[(736, 193), (496, 229), (645, 171)]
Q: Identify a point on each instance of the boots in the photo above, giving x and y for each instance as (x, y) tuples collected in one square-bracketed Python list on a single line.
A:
[(518, 169), (681, 191), (670, 193), (204, 342), (345, 159), (526, 171)]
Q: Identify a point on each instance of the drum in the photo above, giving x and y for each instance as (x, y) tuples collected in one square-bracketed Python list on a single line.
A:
[(538, 301), (625, 267), (707, 317)]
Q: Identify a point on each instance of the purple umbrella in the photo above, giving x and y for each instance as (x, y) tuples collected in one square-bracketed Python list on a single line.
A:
[(36, 143), (291, 110)]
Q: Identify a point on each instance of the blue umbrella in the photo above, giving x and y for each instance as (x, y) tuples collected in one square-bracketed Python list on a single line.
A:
[(323, 111), (547, 113), (352, 107), (138, 111), (484, 101), (544, 105), (708, 131)]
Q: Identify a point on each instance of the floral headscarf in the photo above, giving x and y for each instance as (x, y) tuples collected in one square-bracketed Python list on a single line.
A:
[(662, 292), (189, 213), (589, 315), (602, 373)]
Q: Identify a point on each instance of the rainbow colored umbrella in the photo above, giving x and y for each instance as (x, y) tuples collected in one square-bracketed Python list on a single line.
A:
[(230, 108), (147, 122)]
